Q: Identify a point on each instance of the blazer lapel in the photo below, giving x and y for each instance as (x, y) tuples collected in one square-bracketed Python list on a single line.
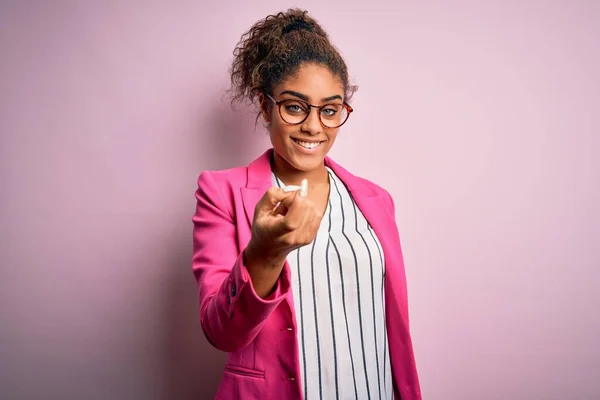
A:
[(258, 181), (373, 207)]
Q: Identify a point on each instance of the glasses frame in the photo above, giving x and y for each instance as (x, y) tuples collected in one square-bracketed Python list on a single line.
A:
[(278, 103)]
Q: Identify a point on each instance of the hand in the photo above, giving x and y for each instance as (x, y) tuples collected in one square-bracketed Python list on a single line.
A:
[(282, 223)]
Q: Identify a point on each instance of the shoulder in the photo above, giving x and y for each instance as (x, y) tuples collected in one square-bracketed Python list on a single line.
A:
[(362, 184), (217, 190), (357, 182), (255, 174), (371, 185), (223, 178)]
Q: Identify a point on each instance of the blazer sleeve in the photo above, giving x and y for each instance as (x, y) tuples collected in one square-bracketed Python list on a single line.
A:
[(391, 203), (231, 313)]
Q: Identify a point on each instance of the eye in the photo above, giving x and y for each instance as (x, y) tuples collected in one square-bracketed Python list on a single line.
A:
[(330, 110), (294, 107)]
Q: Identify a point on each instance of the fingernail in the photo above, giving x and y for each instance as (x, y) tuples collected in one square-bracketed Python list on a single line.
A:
[(304, 188), (291, 188)]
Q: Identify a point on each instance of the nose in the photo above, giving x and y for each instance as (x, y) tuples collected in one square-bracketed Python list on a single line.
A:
[(312, 124)]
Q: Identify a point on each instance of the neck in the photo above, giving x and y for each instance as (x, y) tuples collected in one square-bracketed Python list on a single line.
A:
[(291, 176)]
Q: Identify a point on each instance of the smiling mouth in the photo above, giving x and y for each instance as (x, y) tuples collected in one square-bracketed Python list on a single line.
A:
[(307, 145)]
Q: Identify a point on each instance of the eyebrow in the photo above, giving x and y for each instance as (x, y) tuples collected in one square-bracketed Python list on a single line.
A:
[(305, 97)]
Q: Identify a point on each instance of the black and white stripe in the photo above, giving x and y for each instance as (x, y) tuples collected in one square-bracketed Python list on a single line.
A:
[(338, 289)]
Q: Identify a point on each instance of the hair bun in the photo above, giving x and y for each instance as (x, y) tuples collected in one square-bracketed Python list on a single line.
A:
[(275, 48), (298, 25)]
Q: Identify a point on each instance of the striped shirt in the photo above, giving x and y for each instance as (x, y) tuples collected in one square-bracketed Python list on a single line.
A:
[(338, 289)]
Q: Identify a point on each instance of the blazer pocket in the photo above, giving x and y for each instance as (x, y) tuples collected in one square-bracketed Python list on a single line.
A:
[(245, 372)]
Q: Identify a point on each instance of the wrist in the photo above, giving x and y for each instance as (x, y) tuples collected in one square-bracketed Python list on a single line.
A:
[(255, 255)]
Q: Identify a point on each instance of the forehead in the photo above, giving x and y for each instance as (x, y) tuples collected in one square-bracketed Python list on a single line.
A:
[(315, 81)]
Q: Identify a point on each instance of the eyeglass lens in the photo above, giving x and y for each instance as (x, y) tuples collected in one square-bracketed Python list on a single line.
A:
[(295, 112)]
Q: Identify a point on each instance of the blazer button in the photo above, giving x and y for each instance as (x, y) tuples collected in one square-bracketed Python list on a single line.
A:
[(233, 290)]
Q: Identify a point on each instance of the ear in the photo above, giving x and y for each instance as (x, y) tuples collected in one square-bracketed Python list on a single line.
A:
[(265, 107)]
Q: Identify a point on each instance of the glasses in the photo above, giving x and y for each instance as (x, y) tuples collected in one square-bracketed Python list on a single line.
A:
[(295, 112)]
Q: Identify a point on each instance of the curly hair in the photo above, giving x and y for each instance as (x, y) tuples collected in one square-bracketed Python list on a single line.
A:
[(275, 47)]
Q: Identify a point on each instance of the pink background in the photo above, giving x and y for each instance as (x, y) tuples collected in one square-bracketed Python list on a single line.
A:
[(482, 121)]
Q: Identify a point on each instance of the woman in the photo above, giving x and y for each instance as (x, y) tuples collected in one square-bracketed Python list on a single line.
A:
[(298, 262)]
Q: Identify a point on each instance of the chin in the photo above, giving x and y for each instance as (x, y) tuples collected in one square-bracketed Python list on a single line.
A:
[(306, 163), (306, 167)]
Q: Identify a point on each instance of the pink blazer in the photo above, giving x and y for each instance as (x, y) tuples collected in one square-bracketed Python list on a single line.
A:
[(260, 334)]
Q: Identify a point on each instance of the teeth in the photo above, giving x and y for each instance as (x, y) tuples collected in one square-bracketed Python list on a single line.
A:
[(307, 145)]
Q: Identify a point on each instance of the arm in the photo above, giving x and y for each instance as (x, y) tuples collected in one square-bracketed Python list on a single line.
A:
[(391, 203), (231, 313)]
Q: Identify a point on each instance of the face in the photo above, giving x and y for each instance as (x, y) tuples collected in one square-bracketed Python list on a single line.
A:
[(304, 146)]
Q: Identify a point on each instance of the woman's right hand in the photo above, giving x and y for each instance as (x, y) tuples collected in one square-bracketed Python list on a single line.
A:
[(282, 222)]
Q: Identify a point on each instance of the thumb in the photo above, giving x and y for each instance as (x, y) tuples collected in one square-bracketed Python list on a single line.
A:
[(271, 199)]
